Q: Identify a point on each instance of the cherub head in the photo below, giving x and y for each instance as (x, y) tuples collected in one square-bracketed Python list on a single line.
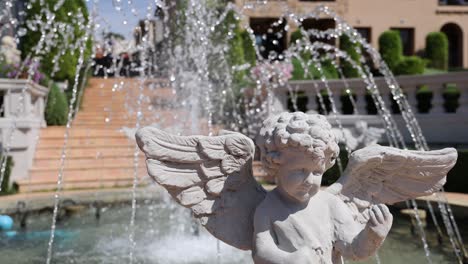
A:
[(297, 149)]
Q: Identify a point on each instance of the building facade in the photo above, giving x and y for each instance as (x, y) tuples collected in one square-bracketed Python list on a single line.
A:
[(415, 19)]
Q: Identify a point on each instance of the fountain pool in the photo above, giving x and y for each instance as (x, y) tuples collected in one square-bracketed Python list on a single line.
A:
[(165, 233)]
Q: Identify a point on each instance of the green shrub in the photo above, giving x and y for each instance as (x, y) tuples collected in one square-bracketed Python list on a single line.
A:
[(297, 34), (56, 111), (298, 72), (350, 48), (437, 50), (451, 95), (424, 98), (6, 189), (249, 49), (391, 48), (456, 178), (235, 56), (410, 65)]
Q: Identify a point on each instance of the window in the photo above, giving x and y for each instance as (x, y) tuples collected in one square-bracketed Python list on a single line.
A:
[(453, 2), (270, 36), (407, 39), (320, 24), (365, 32)]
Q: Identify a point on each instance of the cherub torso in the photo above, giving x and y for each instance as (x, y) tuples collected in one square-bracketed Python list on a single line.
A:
[(311, 226)]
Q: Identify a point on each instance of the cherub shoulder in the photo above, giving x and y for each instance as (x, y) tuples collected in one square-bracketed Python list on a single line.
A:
[(334, 202), (268, 206)]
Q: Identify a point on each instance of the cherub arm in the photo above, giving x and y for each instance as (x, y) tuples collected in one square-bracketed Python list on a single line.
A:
[(265, 249), (356, 243)]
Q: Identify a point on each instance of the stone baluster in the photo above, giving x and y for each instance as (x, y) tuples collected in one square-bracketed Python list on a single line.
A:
[(360, 100), (27, 106), (312, 102), (386, 97), (437, 98), (410, 94), (463, 100), (337, 100)]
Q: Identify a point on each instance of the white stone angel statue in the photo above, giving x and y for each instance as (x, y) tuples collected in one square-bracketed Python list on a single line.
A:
[(297, 222)]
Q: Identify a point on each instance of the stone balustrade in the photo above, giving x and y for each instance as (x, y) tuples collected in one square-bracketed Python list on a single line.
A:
[(437, 116), (24, 117)]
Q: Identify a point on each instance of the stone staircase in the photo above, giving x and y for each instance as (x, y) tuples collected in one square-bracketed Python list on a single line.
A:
[(98, 153)]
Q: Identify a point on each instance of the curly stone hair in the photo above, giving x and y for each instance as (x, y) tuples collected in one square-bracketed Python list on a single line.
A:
[(311, 133)]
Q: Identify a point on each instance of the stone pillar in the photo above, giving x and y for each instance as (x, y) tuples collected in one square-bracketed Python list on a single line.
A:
[(337, 100), (311, 102), (386, 97), (27, 106), (463, 100), (437, 98), (360, 100), (410, 94)]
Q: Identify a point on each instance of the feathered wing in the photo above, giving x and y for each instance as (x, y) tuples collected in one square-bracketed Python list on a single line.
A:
[(378, 174), (210, 175)]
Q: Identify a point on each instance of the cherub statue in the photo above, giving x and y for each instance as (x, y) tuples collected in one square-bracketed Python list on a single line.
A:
[(9, 51), (297, 222), (358, 137)]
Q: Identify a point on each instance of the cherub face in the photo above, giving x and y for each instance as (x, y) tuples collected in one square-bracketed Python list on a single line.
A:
[(300, 175)]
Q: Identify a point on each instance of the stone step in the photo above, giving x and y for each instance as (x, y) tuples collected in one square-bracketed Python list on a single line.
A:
[(111, 151), (47, 143), (41, 186), (84, 174), (58, 132), (52, 163)]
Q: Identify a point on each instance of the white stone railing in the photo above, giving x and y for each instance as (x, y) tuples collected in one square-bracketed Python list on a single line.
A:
[(434, 123), (26, 117)]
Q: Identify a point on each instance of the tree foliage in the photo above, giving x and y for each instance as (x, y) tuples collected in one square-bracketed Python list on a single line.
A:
[(65, 14)]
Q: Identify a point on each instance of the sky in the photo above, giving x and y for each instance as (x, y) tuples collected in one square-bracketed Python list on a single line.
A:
[(124, 21)]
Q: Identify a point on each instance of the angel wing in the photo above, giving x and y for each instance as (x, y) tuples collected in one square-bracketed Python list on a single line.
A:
[(210, 175), (378, 174)]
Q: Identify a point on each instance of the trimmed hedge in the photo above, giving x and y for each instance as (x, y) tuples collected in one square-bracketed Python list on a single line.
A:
[(298, 72), (56, 111), (6, 189), (410, 65), (249, 50), (437, 50), (391, 48), (350, 48), (235, 54)]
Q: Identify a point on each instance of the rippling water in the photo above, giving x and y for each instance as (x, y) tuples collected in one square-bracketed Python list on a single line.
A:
[(166, 233)]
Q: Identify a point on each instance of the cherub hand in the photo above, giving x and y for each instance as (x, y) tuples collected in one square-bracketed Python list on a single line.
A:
[(380, 220)]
